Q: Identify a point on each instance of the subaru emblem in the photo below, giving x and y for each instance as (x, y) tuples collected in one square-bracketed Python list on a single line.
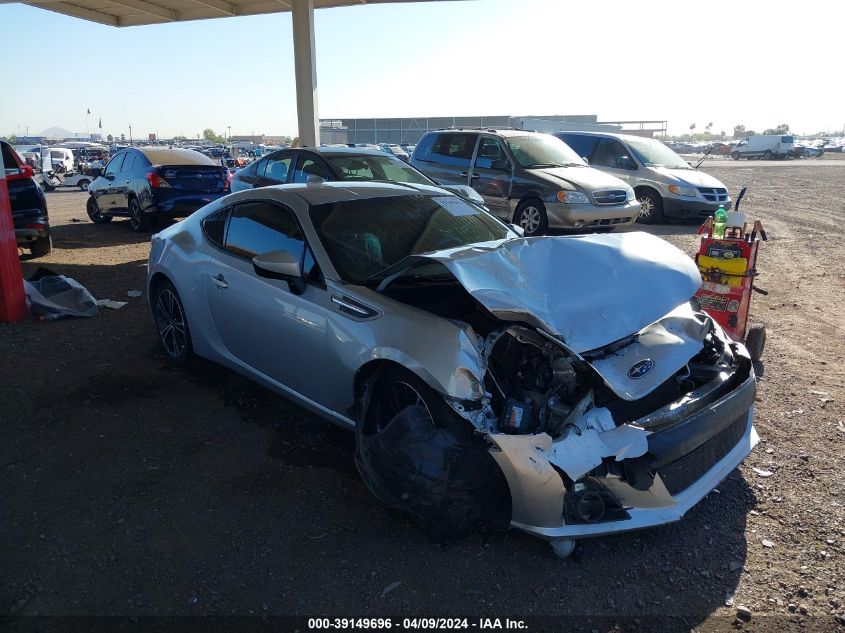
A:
[(640, 369)]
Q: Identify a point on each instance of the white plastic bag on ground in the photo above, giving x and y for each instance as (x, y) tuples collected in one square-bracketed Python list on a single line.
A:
[(59, 295)]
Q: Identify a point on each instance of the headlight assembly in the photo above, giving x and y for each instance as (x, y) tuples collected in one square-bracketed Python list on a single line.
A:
[(572, 197), (680, 190)]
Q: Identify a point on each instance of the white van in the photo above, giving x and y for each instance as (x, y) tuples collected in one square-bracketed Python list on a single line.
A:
[(764, 146), (666, 186), (62, 159)]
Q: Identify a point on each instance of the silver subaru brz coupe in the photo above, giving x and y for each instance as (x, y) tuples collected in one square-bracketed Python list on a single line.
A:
[(566, 386)]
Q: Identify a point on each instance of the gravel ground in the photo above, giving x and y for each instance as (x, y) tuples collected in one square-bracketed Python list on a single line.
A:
[(131, 489)]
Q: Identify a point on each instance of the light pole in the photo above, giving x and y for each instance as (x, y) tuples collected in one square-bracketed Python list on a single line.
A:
[(230, 133), (130, 134)]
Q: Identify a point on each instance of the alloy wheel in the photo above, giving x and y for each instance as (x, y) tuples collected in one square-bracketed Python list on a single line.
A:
[(171, 323), (135, 215), (646, 206), (529, 220)]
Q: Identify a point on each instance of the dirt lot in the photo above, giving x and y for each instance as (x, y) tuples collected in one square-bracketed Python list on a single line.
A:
[(130, 489)]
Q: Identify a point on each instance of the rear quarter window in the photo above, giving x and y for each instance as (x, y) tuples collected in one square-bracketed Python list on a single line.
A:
[(214, 227)]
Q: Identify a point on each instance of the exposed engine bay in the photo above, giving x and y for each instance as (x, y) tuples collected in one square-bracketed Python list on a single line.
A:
[(536, 386)]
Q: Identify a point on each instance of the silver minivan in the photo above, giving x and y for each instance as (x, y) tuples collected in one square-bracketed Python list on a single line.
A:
[(667, 187), (528, 178)]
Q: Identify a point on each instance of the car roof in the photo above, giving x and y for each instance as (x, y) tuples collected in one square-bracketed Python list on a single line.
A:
[(485, 130), (328, 150), (339, 191), (616, 135), (164, 156)]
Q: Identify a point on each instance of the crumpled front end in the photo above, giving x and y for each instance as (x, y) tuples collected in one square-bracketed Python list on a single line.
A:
[(607, 401), (584, 456)]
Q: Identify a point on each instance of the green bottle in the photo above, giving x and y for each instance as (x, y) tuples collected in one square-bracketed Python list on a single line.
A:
[(719, 220)]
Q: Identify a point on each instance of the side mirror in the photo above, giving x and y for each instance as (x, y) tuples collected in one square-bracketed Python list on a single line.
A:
[(280, 265), (628, 163)]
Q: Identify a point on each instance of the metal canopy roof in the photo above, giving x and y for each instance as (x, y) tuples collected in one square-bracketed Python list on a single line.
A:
[(141, 12)]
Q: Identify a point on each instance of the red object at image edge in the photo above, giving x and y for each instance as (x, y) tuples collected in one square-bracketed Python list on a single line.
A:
[(12, 298)]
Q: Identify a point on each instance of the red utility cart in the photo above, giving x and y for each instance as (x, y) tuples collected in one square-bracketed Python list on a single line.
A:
[(728, 266)]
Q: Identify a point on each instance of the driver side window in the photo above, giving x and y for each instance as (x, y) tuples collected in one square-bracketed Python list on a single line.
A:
[(491, 154), (261, 227), (611, 153)]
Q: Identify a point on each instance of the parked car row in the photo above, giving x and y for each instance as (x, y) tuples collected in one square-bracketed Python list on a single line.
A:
[(533, 180)]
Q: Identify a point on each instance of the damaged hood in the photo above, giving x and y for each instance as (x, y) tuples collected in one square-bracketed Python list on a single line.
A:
[(589, 290)]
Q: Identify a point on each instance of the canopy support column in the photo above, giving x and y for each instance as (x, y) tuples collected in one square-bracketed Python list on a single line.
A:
[(305, 69)]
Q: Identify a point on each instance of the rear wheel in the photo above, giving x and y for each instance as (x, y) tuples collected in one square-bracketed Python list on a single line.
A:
[(651, 206), (174, 337), (94, 212), (83, 184), (138, 220), (42, 246), (531, 216), (767, 155)]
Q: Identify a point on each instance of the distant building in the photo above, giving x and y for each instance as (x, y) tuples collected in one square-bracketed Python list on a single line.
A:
[(410, 130), (260, 139)]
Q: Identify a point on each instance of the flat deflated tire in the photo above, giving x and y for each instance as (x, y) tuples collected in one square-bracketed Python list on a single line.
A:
[(418, 456)]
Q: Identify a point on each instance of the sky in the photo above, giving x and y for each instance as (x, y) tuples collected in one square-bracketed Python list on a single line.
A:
[(754, 63)]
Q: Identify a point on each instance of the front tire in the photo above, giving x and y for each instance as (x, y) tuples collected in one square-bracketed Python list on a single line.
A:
[(174, 336), (138, 220), (767, 155), (735, 155), (415, 454), (94, 212), (41, 247), (83, 184), (651, 207), (531, 216)]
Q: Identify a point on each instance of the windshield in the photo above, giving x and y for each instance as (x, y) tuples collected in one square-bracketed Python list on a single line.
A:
[(653, 153), (376, 168), (543, 150), (365, 237)]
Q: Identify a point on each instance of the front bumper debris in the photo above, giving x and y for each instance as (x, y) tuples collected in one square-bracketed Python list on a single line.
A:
[(680, 465)]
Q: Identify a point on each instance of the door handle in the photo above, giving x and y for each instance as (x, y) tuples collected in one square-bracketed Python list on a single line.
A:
[(473, 177), (220, 281)]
